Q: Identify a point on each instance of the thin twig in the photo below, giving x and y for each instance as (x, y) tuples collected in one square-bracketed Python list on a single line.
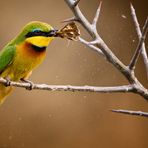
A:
[(130, 112), (95, 20), (91, 46), (70, 20), (94, 42), (138, 30), (139, 47), (115, 89), (78, 14)]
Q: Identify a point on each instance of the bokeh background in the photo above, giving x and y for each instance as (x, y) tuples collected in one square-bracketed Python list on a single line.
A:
[(43, 119)]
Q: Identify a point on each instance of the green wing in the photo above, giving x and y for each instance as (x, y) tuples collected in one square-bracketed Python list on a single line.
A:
[(6, 57)]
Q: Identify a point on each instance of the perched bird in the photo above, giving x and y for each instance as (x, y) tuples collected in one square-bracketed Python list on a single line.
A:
[(24, 53)]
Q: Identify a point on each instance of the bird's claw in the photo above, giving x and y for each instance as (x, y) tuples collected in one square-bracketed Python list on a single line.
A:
[(31, 85), (8, 82)]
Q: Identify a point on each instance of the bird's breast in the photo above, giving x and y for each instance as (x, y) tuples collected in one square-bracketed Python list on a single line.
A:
[(27, 58)]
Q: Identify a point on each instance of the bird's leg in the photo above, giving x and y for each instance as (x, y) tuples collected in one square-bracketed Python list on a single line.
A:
[(29, 82), (8, 82)]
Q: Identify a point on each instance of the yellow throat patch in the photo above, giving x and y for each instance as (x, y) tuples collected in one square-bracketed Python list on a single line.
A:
[(40, 41)]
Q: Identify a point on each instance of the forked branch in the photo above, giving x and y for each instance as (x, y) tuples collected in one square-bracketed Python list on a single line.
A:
[(98, 44), (139, 47), (138, 30)]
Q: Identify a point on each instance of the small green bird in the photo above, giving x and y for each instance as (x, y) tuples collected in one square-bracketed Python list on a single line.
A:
[(24, 53)]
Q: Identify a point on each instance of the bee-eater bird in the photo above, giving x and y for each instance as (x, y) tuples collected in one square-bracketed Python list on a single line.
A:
[(24, 53)]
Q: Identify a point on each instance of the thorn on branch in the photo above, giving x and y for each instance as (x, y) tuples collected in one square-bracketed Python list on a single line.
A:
[(139, 47), (130, 112), (95, 20), (133, 13), (138, 30), (73, 19)]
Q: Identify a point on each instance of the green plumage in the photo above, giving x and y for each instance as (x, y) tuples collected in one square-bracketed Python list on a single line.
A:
[(6, 57), (19, 57)]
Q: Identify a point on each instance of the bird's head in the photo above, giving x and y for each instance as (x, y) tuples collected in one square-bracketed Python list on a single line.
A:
[(37, 33)]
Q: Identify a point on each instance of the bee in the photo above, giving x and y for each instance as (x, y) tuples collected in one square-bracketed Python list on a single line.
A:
[(69, 31)]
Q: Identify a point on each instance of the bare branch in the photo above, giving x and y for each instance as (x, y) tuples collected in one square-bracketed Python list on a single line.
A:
[(76, 3), (138, 30), (137, 26), (139, 47), (91, 46), (78, 14), (130, 112), (124, 88), (73, 19), (105, 49), (73, 3), (99, 44), (94, 23), (94, 42)]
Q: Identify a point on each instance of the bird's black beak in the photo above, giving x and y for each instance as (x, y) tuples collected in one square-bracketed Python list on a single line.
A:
[(52, 33)]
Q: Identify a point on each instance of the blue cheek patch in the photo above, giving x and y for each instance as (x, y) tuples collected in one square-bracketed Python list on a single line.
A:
[(36, 30)]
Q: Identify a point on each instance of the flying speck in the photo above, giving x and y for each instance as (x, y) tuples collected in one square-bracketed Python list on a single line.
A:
[(123, 16)]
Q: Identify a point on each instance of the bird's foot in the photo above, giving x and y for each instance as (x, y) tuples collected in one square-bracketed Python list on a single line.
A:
[(31, 85), (8, 82)]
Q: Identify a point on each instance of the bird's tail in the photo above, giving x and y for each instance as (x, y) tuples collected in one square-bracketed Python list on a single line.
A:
[(4, 92)]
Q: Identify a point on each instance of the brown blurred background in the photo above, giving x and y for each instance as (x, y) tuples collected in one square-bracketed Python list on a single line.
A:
[(42, 119)]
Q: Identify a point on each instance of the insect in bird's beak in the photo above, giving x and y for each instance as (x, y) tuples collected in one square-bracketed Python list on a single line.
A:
[(69, 31)]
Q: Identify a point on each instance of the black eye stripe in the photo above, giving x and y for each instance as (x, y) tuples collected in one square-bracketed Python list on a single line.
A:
[(51, 33), (37, 33)]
